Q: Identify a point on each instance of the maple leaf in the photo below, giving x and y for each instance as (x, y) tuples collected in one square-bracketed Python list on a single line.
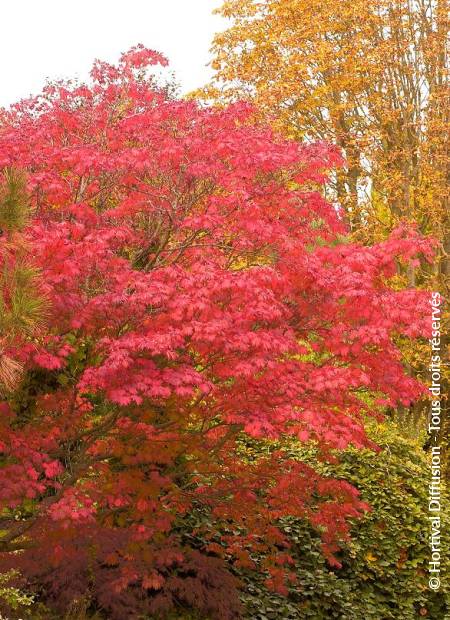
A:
[(152, 581)]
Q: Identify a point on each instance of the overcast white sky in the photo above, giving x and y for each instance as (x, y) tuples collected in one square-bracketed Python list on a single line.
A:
[(59, 39)]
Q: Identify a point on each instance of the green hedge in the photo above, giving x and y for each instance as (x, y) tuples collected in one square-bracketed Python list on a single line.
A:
[(384, 568)]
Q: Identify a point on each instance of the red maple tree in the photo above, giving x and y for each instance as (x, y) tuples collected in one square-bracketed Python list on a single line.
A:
[(201, 291)]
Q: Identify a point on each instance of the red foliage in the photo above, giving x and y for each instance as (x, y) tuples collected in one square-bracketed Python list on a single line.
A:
[(199, 290), (95, 562)]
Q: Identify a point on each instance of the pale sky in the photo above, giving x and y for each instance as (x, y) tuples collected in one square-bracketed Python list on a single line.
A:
[(60, 39)]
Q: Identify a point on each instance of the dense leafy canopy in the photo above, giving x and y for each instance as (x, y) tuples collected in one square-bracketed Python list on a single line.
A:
[(200, 288)]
